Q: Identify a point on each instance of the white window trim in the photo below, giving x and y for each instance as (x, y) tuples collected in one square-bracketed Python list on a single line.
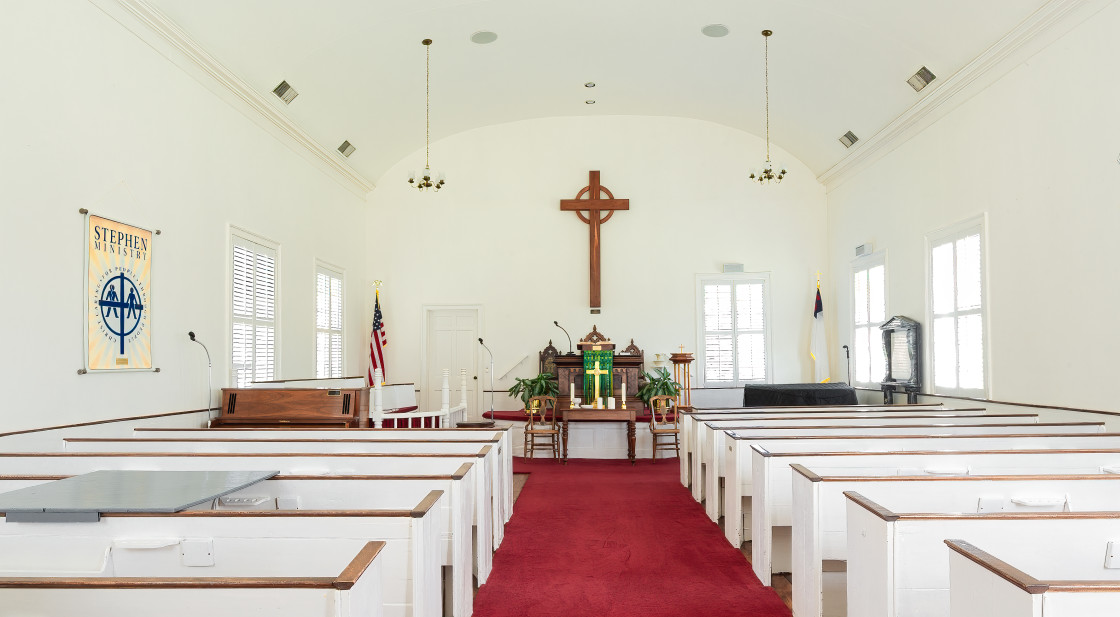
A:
[(244, 234), (341, 272), (768, 315), (935, 238), (878, 258)]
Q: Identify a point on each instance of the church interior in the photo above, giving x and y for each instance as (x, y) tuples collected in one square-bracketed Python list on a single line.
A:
[(344, 209)]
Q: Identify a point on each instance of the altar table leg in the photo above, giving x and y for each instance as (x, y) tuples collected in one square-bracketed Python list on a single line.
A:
[(630, 432), (564, 438)]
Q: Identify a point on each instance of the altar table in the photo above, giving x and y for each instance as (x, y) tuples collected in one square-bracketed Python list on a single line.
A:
[(600, 415)]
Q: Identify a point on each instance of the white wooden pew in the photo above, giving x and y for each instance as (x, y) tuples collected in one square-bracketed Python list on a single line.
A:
[(740, 484), (687, 423), (364, 493), (411, 574), (491, 461), (984, 585), (898, 564), (114, 577), (505, 450), (697, 435), (820, 508), (716, 455), (289, 464), (702, 448)]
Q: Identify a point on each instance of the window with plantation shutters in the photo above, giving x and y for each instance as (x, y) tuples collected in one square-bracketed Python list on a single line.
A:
[(956, 292), (328, 322), (255, 273), (733, 331), (869, 311)]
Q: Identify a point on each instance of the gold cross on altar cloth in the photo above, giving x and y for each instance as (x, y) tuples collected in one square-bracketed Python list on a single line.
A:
[(595, 205), (597, 372)]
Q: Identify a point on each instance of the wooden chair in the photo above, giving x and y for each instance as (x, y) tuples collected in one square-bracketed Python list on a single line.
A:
[(663, 425), (541, 429)]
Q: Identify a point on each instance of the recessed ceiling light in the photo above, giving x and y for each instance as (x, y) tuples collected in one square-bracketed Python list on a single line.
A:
[(483, 37), (590, 101), (589, 84), (921, 79), (715, 30)]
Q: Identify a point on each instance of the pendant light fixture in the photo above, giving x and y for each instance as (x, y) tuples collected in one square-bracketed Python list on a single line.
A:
[(424, 182), (767, 173)]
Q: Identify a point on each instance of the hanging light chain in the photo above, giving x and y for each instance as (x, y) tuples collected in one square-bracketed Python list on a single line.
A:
[(767, 173), (766, 73), (424, 181), (427, 103)]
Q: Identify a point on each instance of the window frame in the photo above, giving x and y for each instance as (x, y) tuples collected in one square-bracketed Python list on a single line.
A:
[(767, 314), (859, 264), (977, 225), (240, 235), (334, 271)]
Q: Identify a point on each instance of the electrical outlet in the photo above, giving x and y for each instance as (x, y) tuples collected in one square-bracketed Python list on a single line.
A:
[(198, 552)]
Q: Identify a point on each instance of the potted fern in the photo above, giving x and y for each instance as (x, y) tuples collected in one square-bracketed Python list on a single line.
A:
[(661, 384), (541, 385)]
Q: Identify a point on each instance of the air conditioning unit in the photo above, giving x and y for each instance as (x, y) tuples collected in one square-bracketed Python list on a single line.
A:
[(864, 250)]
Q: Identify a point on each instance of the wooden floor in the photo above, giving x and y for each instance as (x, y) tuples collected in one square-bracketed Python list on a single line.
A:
[(782, 582), (518, 484)]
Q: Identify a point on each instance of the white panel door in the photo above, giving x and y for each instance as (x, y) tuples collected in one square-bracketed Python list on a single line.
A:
[(452, 343)]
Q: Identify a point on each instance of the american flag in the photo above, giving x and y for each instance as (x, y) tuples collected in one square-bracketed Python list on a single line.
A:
[(377, 341)]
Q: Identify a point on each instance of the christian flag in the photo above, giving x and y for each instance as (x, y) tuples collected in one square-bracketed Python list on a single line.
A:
[(377, 341), (818, 345)]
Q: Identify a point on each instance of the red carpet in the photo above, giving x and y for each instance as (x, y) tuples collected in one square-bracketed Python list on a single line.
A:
[(603, 538)]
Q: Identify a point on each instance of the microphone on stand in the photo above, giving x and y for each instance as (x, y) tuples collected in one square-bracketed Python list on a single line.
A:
[(848, 357), (209, 372), (491, 374), (570, 352)]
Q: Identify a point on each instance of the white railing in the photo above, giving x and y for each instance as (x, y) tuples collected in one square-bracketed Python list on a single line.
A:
[(446, 417)]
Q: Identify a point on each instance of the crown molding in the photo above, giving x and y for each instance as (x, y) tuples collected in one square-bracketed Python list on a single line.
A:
[(1027, 37), (155, 22)]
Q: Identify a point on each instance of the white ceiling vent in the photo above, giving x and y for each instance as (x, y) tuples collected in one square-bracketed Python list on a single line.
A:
[(848, 139), (347, 148), (286, 92), (921, 79)]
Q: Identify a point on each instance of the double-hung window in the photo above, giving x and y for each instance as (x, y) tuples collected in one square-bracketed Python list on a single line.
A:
[(328, 321), (869, 311), (255, 272), (957, 293), (733, 328)]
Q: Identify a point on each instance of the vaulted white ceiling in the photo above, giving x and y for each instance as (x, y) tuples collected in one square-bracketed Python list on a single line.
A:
[(359, 66)]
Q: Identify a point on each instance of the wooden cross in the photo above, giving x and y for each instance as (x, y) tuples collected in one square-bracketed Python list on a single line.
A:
[(597, 372), (595, 205)]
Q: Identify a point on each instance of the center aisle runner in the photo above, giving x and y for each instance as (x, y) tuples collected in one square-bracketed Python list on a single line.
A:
[(603, 538)]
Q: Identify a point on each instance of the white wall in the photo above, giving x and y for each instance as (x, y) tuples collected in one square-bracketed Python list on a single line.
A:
[(95, 118), (495, 236), (1037, 151)]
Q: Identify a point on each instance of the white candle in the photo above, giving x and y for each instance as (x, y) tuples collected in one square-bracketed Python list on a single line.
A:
[(623, 393), (573, 394)]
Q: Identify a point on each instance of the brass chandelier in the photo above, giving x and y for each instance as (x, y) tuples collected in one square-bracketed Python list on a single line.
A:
[(424, 182), (766, 175)]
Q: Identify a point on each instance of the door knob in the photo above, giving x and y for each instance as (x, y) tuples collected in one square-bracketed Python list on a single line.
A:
[(476, 377)]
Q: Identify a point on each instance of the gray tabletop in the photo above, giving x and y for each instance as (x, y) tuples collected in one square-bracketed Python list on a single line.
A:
[(124, 491)]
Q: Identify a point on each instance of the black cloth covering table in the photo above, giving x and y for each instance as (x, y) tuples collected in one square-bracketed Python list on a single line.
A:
[(778, 394)]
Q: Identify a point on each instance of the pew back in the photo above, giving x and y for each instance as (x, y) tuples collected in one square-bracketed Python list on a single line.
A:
[(339, 578)]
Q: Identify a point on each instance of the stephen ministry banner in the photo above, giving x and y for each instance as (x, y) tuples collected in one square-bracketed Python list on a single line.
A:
[(118, 296)]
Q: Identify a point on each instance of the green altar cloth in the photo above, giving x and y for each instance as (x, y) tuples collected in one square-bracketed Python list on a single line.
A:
[(605, 358)]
